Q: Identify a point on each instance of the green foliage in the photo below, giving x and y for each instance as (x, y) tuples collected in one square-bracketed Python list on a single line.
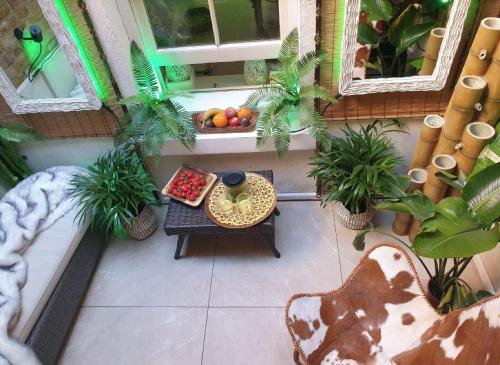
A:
[(286, 99), (359, 166), (114, 191), (12, 166), (152, 116), (392, 28)]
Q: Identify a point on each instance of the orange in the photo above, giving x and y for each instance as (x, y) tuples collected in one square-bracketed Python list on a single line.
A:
[(220, 120), (244, 113)]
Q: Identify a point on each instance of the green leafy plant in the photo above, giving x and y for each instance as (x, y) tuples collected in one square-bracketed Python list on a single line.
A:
[(12, 166), (452, 232), (359, 166), (285, 99), (114, 191), (152, 116), (392, 27)]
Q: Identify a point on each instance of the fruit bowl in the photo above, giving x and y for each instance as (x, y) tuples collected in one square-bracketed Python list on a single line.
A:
[(189, 185), (231, 120)]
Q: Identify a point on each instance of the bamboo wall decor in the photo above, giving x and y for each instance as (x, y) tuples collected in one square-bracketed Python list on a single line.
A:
[(476, 137), (460, 112), (490, 112), (402, 221), (482, 47), (429, 135), (432, 51)]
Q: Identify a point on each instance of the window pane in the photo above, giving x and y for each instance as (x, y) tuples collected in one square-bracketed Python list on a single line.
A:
[(247, 20), (180, 23)]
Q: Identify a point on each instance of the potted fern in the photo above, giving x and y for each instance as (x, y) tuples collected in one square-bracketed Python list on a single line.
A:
[(287, 104), (152, 116), (12, 166), (115, 194), (358, 168)]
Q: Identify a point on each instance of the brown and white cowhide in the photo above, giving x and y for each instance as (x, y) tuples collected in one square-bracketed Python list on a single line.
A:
[(381, 316)]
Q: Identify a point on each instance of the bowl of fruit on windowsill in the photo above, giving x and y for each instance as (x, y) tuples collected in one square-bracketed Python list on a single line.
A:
[(230, 120), (189, 185)]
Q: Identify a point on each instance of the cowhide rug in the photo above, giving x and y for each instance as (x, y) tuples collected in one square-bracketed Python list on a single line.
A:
[(31, 207), (381, 316)]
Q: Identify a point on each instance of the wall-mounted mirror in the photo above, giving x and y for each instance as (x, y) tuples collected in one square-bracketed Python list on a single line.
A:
[(402, 45), (40, 68)]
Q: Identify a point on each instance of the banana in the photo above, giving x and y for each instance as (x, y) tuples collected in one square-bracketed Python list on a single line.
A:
[(210, 113)]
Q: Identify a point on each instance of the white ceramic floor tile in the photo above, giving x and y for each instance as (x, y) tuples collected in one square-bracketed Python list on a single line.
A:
[(350, 257), (137, 336), (247, 336), (133, 273), (247, 274)]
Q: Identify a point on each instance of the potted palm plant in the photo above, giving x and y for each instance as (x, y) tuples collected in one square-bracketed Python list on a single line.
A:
[(452, 232), (116, 194), (12, 166), (356, 169), (152, 116), (287, 104)]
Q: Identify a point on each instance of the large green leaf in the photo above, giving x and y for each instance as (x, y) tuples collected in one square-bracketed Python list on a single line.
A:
[(482, 194), (409, 17), (145, 76), (418, 205), (413, 34), (378, 9), (453, 232), (367, 35), (17, 132)]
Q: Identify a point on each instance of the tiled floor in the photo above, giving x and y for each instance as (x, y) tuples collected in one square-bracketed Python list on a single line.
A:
[(223, 303)]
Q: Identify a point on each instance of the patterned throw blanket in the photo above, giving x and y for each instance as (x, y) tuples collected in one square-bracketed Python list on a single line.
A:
[(31, 207), (381, 316)]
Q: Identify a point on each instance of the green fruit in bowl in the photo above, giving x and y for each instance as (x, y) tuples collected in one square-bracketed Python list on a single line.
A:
[(245, 122)]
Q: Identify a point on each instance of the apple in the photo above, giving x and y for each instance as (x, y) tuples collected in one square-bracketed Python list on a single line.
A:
[(234, 122), (230, 112)]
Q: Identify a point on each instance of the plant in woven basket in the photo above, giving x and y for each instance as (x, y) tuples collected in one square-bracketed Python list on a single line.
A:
[(152, 116), (452, 232), (12, 166), (287, 102), (359, 167), (114, 191)]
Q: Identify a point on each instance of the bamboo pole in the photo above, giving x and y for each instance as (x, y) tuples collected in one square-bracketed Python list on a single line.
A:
[(402, 221), (490, 112), (476, 136), (428, 137), (459, 112), (432, 51), (492, 77), (482, 48), (434, 188)]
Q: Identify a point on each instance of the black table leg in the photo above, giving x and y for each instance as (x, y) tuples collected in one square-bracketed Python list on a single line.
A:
[(269, 238), (180, 242), (276, 211)]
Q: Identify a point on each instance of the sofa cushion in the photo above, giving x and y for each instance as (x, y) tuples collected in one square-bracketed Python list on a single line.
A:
[(47, 257)]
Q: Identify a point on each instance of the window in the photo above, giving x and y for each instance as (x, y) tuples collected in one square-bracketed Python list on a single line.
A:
[(209, 31)]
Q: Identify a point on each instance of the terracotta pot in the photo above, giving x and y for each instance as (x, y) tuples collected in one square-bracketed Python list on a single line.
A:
[(352, 221), (144, 225)]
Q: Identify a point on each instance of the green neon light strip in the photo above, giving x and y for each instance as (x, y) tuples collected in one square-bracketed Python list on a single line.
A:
[(338, 38), (70, 27)]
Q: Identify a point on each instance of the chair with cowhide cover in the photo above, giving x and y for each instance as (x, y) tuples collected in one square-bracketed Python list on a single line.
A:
[(381, 316)]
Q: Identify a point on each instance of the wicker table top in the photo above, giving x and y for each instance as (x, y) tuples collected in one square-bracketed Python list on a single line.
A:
[(183, 219)]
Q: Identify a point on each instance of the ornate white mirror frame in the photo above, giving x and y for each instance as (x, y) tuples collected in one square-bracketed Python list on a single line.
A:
[(91, 100), (436, 81)]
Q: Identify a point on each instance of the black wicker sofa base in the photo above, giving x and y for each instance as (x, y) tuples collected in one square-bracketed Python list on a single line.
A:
[(54, 326)]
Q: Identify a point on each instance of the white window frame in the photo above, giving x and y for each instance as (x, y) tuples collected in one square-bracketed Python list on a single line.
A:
[(137, 25)]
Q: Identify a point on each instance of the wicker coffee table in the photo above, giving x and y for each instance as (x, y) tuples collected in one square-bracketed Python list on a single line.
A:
[(183, 220)]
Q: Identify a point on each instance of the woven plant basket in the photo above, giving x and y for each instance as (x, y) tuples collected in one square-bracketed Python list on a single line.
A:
[(144, 225), (352, 221)]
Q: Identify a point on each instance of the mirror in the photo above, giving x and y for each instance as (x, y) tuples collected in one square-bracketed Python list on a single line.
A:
[(402, 45), (40, 69)]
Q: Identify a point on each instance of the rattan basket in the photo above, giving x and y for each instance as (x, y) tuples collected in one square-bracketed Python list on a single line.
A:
[(144, 225), (352, 221)]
